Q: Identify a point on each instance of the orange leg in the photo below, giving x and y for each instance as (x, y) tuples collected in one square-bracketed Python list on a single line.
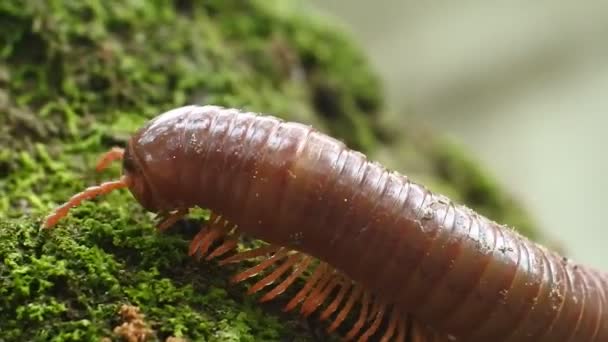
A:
[(401, 330), (362, 318), (357, 291), (419, 333), (279, 289), (272, 277), (196, 241), (379, 313), (211, 235), (254, 253), (346, 285), (228, 245), (115, 153), (260, 267), (312, 280), (202, 235), (392, 325), (169, 219), (318, 296), (216, 228)]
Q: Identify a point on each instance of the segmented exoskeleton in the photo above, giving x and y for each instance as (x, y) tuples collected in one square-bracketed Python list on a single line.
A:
[(432, 269)]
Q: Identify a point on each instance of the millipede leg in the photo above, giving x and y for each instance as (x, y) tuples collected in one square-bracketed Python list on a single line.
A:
[(216, 228), (333, 306), (260, 267), (115, 153), (318, 297), (254, 253), (362, 318), (169, 219), (279, 289), (379, 314), (272, 277), (315, 292), (196, 241), (392, 325), (401, 329), (228, 245), (213, 233), (419, 333), (312, 280), (357, 291), (201, 235), (201, 241)]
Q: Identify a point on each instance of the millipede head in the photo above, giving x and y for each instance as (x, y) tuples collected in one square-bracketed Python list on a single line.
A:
[(132, 178), (139, 186)]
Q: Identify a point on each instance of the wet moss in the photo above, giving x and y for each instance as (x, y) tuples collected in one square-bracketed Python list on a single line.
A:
[(68, 284), (78, 77)]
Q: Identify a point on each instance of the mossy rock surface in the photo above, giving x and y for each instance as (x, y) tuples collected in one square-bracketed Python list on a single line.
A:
[(78, 77)]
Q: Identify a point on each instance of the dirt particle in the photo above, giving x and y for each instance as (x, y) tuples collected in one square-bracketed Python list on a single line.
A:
[(133, 328), (505, 249), (428, 213), (555, 295)]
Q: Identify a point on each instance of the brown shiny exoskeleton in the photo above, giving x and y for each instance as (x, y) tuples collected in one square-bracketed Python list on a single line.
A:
[(431, 269)]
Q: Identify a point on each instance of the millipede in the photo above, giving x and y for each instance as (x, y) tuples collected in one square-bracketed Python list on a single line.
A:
[(405, 263)]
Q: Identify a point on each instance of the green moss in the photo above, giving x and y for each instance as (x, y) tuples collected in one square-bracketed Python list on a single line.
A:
[(68, 284), (78, 77), (79, 62)]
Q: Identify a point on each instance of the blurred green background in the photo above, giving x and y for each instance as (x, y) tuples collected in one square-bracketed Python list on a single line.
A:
[(523, 85)]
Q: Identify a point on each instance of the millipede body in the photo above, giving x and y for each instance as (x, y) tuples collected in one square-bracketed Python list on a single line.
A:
[(408, 264)]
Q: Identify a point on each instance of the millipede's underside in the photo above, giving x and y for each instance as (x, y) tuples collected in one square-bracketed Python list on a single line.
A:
[(326, 290)]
